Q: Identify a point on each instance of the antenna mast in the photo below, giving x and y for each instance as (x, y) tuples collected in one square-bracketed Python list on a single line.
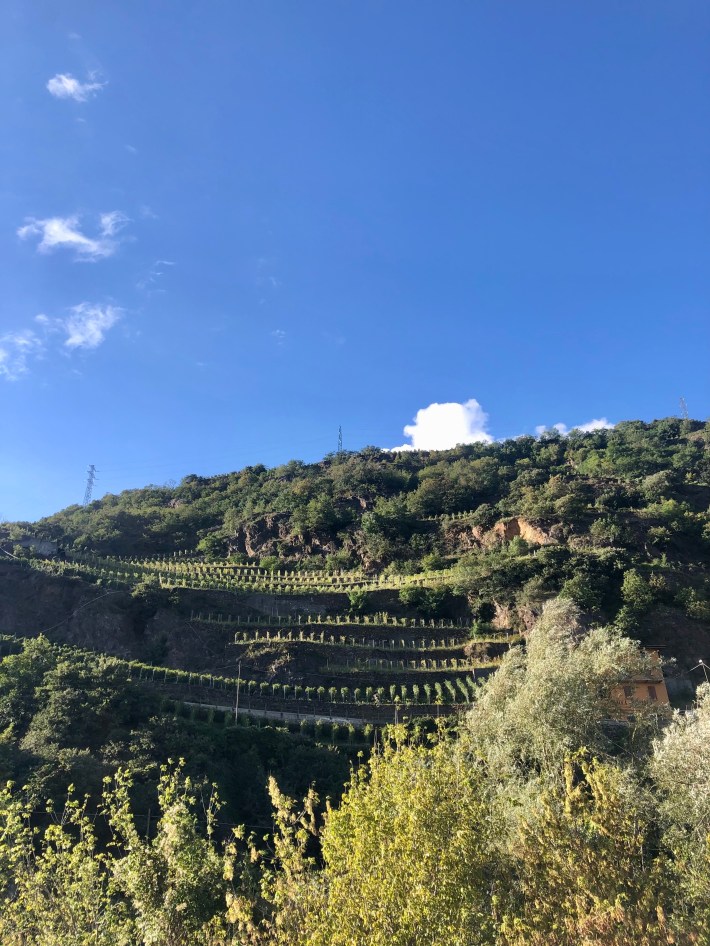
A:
[(89, 484), (683, 409), (340, 439)]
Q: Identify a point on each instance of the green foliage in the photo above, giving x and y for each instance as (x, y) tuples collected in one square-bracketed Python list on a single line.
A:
[(430, 602), (383, 853), (554, 696), (637, 597), (358, 601), (68, 718)]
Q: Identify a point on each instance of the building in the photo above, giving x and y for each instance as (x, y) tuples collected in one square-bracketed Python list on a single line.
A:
[(643, 691)]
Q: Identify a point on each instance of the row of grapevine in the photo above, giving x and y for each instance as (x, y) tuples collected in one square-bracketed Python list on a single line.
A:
[(381, 619), (209, 575), (330, 640), (443, 691)]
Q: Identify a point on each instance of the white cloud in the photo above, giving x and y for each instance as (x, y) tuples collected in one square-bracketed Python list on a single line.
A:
[(65, 86), (278, 335), (86, 327), (443, 426), (64, 232), (600, 423), (16, 350)]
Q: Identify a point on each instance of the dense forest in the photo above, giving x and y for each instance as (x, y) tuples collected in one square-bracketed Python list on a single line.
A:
[(366, 700)]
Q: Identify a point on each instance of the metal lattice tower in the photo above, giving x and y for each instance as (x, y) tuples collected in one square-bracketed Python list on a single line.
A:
[(89, 484), (683, 409), (340, 439)]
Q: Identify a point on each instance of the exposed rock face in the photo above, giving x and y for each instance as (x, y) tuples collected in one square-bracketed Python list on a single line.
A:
[(271, 535), (516, 527), (505, 618), (260, 537), (463, 536)]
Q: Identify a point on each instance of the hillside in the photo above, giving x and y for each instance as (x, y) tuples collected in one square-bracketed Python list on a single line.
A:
[(377, 584), (275, 622)]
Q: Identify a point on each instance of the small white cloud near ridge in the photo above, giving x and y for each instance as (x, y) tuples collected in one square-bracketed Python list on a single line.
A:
[(443, 426), (600, 423), (65, 232), (65, 86)]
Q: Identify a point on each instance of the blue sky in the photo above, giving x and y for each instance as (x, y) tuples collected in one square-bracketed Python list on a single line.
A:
[(228, 228)]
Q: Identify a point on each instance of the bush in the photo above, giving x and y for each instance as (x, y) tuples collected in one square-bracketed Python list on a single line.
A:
[(358, 600)]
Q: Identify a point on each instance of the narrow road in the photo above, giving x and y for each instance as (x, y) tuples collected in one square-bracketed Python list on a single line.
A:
[(288, 717)]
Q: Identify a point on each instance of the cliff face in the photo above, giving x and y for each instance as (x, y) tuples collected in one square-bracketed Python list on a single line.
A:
[(520, 528)]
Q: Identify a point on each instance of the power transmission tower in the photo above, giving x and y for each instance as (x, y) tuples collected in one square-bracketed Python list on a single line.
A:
[(89, 484), (683, 409), (340, 439)]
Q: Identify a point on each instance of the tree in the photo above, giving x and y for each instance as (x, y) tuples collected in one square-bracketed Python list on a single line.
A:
[(554, 696), (680, 767), (637, 597), (586, 865), (405, 858)]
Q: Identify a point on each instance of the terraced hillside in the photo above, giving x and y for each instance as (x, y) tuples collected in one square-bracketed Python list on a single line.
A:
[(376, 585), (297, 658)]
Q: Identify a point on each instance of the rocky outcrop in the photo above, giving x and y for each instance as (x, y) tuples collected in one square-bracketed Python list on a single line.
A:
[(271, 535), (462, 536), (262, 536), (508, 529)]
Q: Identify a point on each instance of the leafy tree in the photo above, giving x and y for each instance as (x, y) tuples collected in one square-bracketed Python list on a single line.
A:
[(680, 767), (586, 866), (637, 597), (394, 870), (554, 696)]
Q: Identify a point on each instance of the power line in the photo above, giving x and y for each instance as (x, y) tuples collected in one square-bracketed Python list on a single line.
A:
[(89, 484)]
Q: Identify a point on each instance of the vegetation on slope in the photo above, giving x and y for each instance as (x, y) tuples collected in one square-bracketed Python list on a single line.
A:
[(371, 583), (634, 486), (616, 520), (71, 718), (539, 823)]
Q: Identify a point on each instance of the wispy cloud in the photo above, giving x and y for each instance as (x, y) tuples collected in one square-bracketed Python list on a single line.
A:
[(443, 426), (85, 327), (600, 423), (65, 233), (65, 86), (278, 335), (150, 282), (265, 280), (16, 351)]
